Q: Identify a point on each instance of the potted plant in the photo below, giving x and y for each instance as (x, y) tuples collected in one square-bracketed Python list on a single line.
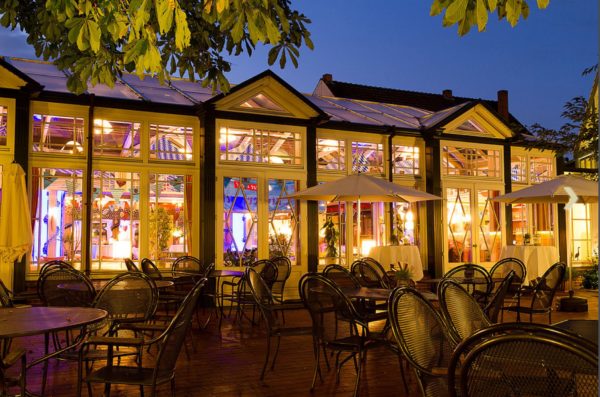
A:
[(331, 238), (403, 274), (526, 239)]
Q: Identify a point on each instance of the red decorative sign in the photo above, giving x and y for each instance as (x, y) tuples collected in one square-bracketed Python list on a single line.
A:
[(250, 186)]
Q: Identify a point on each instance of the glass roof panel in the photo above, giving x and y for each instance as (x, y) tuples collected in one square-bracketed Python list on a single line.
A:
[(151, 90), (194, 89), (119, 91)]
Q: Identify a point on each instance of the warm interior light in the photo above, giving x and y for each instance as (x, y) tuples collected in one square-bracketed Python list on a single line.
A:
[(366, 245), (104, 127)]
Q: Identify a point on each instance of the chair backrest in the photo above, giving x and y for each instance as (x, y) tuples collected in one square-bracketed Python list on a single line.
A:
[(341, 276), (545, 289), (284, 269), (131, 266), (151, 270), (267, 270), (173, 337), (496, 302), (63, 286), (5, 296), (326, 304), (470, 271), (128, 297), (369, 273), (521, 359), (505, 266), (461, 311), (187, 264), (55, 264), (423, 338), (262, 296)]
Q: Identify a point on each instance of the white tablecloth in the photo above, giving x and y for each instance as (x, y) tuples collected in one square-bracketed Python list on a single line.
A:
[(537, 258), (403, 253)]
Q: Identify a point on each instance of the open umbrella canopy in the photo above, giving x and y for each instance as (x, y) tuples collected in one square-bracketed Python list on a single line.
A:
[(558, 190), (15, 221), (361, 187)]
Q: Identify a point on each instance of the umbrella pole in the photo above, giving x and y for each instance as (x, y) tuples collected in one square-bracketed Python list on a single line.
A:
[(358, 230)]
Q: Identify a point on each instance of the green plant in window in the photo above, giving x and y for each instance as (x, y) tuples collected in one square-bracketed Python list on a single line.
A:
[(160, 227), (331, 238)]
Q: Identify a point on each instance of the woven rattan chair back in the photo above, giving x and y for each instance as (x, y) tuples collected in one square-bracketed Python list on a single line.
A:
[(284, 269), (174, 335), (53, 264), (62, 286), (128, 298), (461, 311), (505, 266), (423, 338), (267, 270), (188, 264), (389, 282), (263, 297), (520, 359), (494, 306), (131, 266), (151, 270), (341, 276), (369, 274), (545, 288), (480, 291)]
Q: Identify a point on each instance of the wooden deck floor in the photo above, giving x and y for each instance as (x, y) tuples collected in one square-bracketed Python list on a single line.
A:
[(228, 364)]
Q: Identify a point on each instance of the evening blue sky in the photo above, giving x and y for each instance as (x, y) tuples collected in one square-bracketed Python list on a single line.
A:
[(396, 44)]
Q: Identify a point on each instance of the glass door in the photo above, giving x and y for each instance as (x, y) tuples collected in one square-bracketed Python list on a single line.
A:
[(473, 225)]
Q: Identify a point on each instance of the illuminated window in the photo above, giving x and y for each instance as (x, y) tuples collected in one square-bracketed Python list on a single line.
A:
[(170, 217), (540, 169), (471, 162), (261, 102), (584, 233), (536, 220), (331, 154), (115, 218), (3, 124), (169, 142), (260, 146), (58, 134), (116, 138), (367, 157), (57, 211), (405, 160), (518, 169)]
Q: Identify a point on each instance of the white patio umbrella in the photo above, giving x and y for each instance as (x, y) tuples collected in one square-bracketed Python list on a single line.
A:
[(565, 189), (361, 187), (15, 221)]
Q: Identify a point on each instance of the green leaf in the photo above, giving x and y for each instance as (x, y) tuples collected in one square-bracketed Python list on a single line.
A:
[(513, 11), (238, 28), (183, 35), (282, 60), (164, 14), (543, 4), (94, 30), (482, 15), (456, 11), (492, 4), (436, 8), (273, 53), (83, 38)]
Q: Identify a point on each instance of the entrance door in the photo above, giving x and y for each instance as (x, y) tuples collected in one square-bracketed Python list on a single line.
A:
[(473, 226), (259, 220)]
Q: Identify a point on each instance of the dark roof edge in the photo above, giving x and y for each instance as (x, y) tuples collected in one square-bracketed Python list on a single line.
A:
[(31, 83)]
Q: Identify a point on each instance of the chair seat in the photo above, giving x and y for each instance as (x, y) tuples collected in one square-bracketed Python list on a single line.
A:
[(127, 375), (291, 331)]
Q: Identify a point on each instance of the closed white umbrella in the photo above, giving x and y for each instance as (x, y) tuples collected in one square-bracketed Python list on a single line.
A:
[(361, 187), (15, 221)]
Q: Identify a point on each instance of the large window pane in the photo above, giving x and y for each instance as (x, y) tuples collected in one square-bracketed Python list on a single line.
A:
[(331, 154), (332, 233), (240, 221), (58, 134), (405, 160), (540, 169), (115, 219), (116, 138), (57, 211), (169, 217), (260, 146), (518, 169), (489, 227), (471, 162), (459, 225), (283, 219), (367, 157), (168, 142)]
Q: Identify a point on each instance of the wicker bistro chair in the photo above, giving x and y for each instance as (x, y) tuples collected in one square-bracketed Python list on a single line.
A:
[(461, 311), (169, 344), (131, 266), (81, 294), (327, 304), (505, 266), (542, 293), (480, 290), (370, 273), (341, 276), (520, 359), (270, 309), (187, 264), (284, 269), (422, 336), (496, 302)]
